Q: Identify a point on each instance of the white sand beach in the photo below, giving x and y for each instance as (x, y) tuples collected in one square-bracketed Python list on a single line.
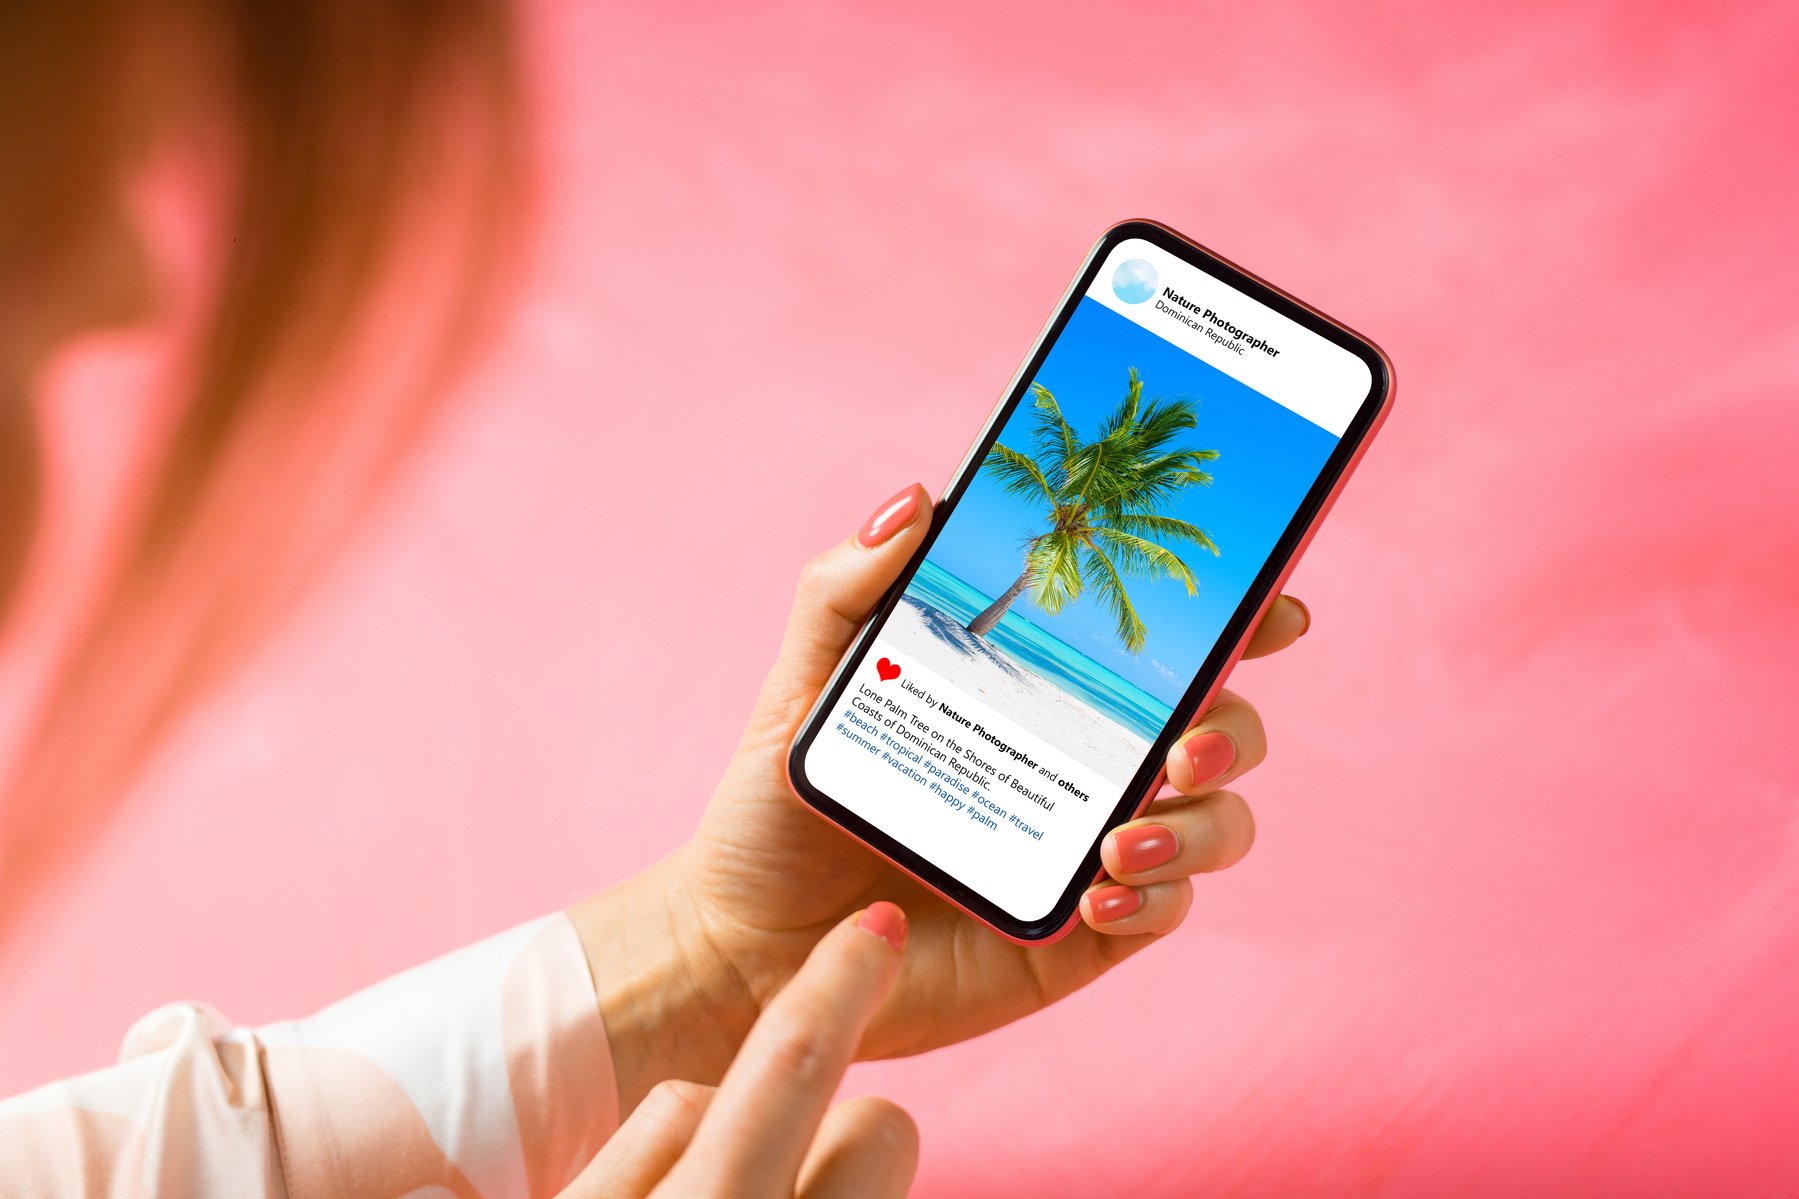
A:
[(940, 643)]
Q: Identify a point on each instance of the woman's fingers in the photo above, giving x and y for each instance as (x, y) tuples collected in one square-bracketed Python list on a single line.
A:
[(1195, 836), (1121, 911), (1285, 622), (752, 1135), (867, 1148), (1198, 829), (1228, 741), (767, 1110), (646, 1146)]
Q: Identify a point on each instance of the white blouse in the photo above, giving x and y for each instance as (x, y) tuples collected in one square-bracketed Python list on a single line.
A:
[(484, 1074)]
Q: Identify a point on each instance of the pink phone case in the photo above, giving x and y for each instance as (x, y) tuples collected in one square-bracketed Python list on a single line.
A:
[(1155, 785)]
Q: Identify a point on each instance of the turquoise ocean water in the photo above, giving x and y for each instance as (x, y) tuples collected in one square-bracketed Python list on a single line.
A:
[(1045, 655)]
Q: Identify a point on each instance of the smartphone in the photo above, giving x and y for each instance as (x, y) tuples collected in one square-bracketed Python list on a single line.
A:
[(1092, 572)]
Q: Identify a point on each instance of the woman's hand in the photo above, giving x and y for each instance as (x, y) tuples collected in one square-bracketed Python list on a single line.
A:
[(713, 931), (766, 1131)]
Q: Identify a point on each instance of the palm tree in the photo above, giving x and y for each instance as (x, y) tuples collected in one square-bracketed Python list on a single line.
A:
[(1104, 500)]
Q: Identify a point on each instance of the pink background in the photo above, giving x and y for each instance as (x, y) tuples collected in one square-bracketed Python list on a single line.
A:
[(1524, 914)]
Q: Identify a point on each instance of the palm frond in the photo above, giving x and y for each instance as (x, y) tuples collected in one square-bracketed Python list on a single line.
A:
[(1146, 559), (1110, 588), (1086, 472), (1017, 474), (1124, 416), (1174, 460), (1054, 562), (1156, 483), (1166, 528), (1159, 427), (1052, 436)]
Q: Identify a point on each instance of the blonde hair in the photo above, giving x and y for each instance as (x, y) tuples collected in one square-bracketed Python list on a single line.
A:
[(379, 173)]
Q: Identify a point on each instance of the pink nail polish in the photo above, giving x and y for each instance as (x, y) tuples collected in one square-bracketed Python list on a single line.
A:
[(1144, 847), (1210, 755), (886, 921), (1113, 903), (890, 517)]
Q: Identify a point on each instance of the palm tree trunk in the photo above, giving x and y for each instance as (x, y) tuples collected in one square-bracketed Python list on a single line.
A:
[(983, 624)]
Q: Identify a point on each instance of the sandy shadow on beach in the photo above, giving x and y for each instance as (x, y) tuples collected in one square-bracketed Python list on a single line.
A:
[(954, 634)]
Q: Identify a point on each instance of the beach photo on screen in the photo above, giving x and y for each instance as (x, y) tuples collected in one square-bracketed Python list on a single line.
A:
[(1109, 534)]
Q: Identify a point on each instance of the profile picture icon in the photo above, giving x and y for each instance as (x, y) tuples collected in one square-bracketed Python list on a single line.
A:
[(1134, 281)]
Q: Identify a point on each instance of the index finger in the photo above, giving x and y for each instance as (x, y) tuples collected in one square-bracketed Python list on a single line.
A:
[(763, 1119)]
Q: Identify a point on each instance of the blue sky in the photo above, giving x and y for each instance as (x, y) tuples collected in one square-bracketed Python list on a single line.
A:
[(1267, 459)]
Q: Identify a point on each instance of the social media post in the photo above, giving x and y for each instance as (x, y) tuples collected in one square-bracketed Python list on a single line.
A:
[(986, 798), (1111, 532)]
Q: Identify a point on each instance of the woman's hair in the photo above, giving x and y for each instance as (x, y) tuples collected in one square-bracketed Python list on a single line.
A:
[(376, 188)]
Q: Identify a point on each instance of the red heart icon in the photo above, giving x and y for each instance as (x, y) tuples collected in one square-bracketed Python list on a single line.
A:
[(887, 670)]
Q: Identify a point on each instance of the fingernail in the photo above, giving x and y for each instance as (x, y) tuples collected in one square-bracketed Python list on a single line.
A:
[(1305, 613), (1210, 755), (1113, 903), (890, 517), (886, 921), (1144, 847)]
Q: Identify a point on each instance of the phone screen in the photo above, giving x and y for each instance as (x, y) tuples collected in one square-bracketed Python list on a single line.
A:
[(1158, 456)]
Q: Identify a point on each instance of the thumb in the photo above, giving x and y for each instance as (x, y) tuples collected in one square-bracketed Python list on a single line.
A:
[(837, 592)]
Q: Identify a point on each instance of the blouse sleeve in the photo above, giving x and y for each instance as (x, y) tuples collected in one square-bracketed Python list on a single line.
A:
[(483, 1074)]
